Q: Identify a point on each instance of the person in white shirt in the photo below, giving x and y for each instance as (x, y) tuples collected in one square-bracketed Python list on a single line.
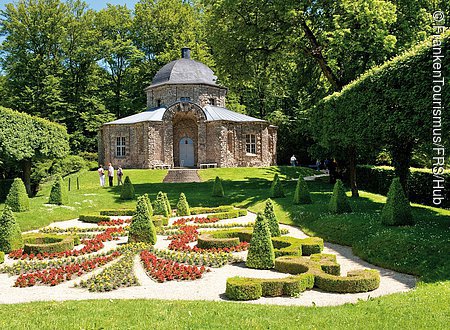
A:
[(101, 174), (293, 160), (119, 176), (110, 174)]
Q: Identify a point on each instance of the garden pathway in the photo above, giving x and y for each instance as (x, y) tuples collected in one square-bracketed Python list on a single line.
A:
[(212, 285)]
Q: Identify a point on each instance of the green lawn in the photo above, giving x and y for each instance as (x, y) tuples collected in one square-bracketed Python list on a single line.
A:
[(422, 250)]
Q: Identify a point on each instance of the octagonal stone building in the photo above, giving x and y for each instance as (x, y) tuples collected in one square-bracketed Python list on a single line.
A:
[(187, 125)]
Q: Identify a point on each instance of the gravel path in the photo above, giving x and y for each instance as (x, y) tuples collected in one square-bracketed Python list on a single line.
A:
[(212, 285)]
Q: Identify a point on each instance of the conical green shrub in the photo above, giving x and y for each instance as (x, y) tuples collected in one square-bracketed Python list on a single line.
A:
[(161, 205), (261, 254), (276, 189), (218, 188), (127, 189), (339, 200), (10, 233), (169, 208), (149, 204), (271, 218), (142, 228), (302, 195), (397, 210), (183, 206), (17, 198), (58, 194)]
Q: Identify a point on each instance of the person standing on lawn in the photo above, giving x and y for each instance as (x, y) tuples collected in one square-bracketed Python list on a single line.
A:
[(101, 174), (110, 174), (293, 160), (119, 176)]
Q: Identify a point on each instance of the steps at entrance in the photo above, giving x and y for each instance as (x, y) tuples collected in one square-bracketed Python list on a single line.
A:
[(181, 175)]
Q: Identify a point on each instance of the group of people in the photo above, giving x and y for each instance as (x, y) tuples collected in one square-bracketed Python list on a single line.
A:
[(110, 170), (329, 165)]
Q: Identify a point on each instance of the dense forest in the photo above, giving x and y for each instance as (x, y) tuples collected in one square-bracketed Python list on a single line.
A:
[(279, 58)]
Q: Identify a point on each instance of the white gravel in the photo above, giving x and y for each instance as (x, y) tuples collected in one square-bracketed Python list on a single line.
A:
[(212, 285)]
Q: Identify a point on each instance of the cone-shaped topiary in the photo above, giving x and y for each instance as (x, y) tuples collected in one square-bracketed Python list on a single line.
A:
[(58, 194), (301, 195), (161, 205), (169, 208), (271, 218), (397, 210), (10, 233), (339, 200), (217, 188), (261, 254), (276, 190), (149, 204), (127, 189), (142, 228), (17, 198), (183, 206)]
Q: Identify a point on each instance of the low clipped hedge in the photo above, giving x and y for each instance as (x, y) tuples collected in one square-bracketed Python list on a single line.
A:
[(327, 262), (160, 220), (228, 215), (377, 180), (218, 209), (319, 266), (93, 218), (207, 241), (2, 257), (48, 243), (242, 288), (117, 213)]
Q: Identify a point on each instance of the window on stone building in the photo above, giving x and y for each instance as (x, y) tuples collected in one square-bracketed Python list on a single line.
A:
[(158, 102), (212, 101), (250, 143), (185, 99), (120, 146), (230, 139)]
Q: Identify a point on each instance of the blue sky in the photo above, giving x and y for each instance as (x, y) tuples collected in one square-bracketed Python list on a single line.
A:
[(94, 4)]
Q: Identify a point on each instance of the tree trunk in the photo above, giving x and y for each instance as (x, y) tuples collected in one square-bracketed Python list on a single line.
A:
[(352, 170), (26, 168), (401, 159)]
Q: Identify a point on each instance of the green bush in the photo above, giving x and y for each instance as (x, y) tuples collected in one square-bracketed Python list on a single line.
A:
[(183, 206), (93, 218), (160, 205), (58, 194), (396, 211), (261, 254), (209, 241), (276, 189), (142, 228), (169, 208), (218, 209), (218, 188), (2, 257), (239, 288), (302, 195), (160, 220), (227, 215), (271, 218), (339, 200), (10, 233), (117, 213), (17, 198), (149, 204), (127, 189), (5, 186), (327, 263), (48, 243)]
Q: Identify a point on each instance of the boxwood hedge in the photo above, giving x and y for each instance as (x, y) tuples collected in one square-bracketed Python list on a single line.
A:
[(48, 243), (122, 212), (93, 218)]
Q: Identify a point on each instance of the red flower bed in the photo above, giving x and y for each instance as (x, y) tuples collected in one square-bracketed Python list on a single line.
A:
[(54, 276), (90, 245), (167, 270), (117, 222)]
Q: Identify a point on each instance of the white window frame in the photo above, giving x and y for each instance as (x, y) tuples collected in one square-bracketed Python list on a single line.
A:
[(121, 146), (250, 144)]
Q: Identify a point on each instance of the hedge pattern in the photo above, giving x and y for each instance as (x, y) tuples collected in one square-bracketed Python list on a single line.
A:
[(127, 191), (116, 213), (396, 211), (142, 228), (302, 195), (17, 198), (59, 193), (228, 215), (218, 188), (160, 205), (10, 233), (93, 218), (218, 209), (261, 254), (48, 243), (339, 200), (276, 189), (183, 206), (271, 218)]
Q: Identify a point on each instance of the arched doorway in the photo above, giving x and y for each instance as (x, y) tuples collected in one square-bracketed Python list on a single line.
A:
[(187, 152)]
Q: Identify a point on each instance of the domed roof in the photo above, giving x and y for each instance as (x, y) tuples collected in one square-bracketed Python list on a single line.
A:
[(184, 71)]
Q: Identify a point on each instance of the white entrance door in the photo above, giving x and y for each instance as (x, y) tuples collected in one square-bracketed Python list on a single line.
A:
[(186, 152)]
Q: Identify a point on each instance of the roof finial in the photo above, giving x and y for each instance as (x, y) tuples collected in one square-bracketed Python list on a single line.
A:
[(186, 53)]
